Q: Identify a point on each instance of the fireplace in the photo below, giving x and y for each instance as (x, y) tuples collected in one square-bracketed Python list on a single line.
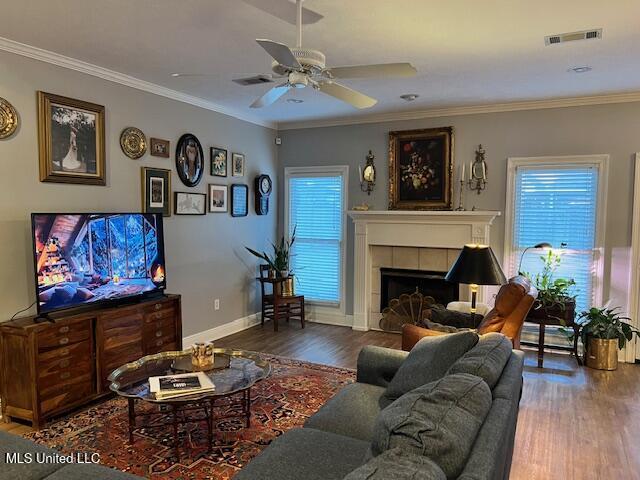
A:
[(396, 281)]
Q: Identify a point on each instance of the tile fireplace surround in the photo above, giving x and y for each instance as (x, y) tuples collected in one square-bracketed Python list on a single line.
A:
[(417, 240)]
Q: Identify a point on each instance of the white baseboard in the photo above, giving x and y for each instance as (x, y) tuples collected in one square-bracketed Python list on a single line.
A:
[(222, 330)]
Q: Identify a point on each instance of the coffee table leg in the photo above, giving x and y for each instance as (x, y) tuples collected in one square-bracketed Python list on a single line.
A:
[(132, 419), (248, 406), (175, 432), (210, 424)]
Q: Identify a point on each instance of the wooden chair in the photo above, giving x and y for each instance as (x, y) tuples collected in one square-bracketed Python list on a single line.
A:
[(276, 306)]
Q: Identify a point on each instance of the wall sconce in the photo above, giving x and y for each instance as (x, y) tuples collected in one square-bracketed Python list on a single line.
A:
[(368, 175), (477, 172)]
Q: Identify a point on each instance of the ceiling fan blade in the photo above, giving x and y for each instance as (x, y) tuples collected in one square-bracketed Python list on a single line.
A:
[(357, 99), (271, 96), (379, 70), (280, 53), (285, 10)]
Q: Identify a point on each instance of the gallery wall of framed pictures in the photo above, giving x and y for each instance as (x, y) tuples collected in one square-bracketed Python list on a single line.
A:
[(71, 135)]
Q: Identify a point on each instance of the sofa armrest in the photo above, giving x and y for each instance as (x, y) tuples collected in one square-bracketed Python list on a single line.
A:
[(378, 365)]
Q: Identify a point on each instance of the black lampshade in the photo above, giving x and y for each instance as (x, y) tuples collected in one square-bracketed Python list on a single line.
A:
[(476, 264)]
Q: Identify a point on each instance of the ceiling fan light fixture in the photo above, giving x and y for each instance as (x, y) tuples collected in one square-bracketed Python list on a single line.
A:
[(298, 80), (409, 97)]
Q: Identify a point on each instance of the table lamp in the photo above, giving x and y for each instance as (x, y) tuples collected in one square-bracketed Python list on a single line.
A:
[(476, 265)]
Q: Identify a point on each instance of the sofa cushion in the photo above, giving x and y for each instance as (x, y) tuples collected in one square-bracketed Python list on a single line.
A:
[(306, 454), (439, 420), (24, 449), (486, 360), (398, 465), (428, 360), (351, 412)]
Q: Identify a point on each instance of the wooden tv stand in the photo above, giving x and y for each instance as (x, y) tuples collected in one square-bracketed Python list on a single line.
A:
[(50, 368)]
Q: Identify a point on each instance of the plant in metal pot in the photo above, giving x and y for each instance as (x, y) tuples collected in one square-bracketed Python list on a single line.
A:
[(604, 331), (556, 299), (279, 261)]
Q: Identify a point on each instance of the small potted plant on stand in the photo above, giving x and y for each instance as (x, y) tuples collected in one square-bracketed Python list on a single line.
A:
[(279, 264), (555, 303), (603, 332)]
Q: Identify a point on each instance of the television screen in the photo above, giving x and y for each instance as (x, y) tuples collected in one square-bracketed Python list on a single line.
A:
[(90, 258)]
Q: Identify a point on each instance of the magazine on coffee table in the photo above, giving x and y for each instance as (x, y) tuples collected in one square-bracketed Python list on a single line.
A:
[(183, 384)]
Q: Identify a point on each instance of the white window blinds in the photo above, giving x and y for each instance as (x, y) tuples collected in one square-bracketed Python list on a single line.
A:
[(316, 209), (558, 204)]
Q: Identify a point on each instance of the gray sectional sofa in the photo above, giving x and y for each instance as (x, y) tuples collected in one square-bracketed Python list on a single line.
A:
[(448, 409)]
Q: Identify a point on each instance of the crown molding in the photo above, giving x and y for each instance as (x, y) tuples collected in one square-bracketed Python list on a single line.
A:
[(466, 110), (112, 76)]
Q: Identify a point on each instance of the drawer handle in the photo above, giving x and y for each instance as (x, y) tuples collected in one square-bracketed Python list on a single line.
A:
[(64, 363), (64, 352), (159, 333), (158, 315), (64, 375), (64, 340), (159, 343), (64, 329), (158, 306)]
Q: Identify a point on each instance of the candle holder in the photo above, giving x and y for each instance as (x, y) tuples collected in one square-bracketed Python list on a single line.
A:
[(368, 175), (460, 203), (478, 172), (202, 358)]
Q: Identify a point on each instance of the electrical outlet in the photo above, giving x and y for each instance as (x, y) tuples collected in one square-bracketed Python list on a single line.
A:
[(216, 304)]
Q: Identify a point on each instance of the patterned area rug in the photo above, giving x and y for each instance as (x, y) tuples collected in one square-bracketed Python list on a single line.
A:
[(294, 391)]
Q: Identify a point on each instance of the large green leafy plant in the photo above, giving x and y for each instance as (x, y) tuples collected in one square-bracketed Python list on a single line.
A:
[(605, 323), (553, 293), (279, 261)]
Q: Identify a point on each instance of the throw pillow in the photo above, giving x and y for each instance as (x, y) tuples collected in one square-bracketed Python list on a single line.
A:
[(486, 360), (398, 465), (428, 360), (439, 420)]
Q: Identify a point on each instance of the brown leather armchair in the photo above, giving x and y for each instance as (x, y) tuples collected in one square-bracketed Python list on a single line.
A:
[(513, 302)]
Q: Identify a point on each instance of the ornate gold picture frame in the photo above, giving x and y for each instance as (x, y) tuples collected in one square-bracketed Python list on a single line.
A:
[(421, 169), (71, 140)]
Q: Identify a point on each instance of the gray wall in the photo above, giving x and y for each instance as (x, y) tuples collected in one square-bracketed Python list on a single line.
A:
[(610, 129), (205, 255)]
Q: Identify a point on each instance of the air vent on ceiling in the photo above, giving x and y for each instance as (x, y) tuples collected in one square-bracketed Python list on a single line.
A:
[(253, 80), (573, 36)]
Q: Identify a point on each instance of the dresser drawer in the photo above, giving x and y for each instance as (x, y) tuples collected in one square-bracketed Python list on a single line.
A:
[(63, 372), (64, 333), (161, 345), (159, 315), (75, 352), (163, 324), (158, 306), (60, 397)]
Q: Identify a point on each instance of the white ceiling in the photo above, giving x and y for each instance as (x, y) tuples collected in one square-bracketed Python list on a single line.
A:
[(467, 52)]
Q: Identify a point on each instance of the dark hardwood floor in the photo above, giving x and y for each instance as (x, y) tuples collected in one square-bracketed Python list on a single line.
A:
[(574, 422)]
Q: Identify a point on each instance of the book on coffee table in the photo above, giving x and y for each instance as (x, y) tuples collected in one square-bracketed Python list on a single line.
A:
[(183, 384)]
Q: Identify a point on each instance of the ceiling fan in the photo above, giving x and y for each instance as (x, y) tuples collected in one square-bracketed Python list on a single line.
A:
[(304, 67)]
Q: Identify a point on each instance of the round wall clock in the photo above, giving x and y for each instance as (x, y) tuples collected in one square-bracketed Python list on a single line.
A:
[(133, 142), (263, 187), (189, 160), (8, 119)]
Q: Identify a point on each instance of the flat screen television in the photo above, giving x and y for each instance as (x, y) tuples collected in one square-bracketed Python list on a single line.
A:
[(83, 259)]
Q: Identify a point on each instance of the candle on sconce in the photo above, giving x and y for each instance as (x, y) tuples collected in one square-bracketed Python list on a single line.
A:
[(484, 172), (463, 172), (470, 170), (360, 172)]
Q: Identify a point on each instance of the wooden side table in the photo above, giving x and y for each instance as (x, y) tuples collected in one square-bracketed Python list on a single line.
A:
[(542, 322)]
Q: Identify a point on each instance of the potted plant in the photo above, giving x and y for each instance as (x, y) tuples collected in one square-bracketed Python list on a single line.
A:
[(555, 303), (603, 332), (279, 266)]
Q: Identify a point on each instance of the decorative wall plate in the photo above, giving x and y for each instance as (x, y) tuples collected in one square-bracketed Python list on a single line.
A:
[(8, 119), (133, 142)]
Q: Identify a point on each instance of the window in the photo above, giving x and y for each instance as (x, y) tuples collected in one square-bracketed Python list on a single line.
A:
[(315, 200), (559, 201)]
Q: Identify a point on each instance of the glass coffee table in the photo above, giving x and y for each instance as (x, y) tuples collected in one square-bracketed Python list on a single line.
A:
[(233, 374)]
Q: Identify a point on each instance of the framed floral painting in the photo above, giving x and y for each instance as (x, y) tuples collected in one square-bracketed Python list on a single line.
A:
[(421, 169)]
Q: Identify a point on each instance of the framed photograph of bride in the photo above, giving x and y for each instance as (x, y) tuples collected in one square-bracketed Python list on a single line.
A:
[(71, 140)]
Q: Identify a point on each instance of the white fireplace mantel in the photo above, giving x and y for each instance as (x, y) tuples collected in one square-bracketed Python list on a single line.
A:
[(401, 228)]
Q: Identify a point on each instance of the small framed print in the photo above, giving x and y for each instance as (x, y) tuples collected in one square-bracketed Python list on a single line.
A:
[(190, 203), (217, 198), (159, 147), (156, 191), (237, 164), (239, 200), (218, 162)]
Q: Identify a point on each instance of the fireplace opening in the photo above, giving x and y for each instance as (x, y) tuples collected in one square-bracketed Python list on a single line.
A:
[(396, 281)]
